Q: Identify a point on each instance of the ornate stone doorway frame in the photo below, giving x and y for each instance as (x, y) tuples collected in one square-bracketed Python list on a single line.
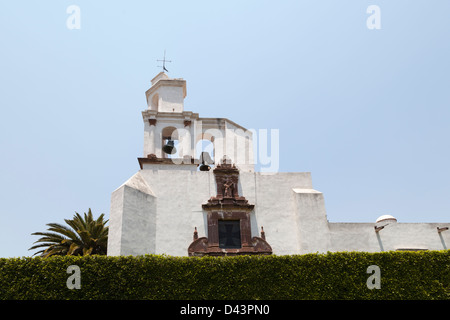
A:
[(228, 205)]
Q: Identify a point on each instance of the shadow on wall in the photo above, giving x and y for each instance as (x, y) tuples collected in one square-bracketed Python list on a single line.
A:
[(379, 241), (442, 241)]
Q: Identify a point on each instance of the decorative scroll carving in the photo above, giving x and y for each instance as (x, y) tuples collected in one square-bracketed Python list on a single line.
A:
[(198, 246)]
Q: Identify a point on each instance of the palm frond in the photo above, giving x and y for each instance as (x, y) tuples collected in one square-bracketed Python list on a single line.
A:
[(84, 235)]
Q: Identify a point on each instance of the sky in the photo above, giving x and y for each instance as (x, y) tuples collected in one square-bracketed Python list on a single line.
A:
[(365, 110)]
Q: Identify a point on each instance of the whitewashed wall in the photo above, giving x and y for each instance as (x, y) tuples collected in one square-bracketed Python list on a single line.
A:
[(157, 209)]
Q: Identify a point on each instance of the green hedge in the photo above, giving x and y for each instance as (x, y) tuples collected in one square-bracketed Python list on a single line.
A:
[(343, 275)]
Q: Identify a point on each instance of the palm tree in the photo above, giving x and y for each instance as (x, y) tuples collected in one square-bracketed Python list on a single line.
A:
[(84, 236)]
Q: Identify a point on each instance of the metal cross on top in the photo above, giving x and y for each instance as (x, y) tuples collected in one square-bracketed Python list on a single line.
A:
[(164, 62)]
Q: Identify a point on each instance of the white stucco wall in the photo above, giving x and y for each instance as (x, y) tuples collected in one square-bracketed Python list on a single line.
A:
[(395, 236), (132, 222), (173, 208), (157, 209)]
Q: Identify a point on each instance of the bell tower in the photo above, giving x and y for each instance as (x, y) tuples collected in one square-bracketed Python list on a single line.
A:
[(166, 94)]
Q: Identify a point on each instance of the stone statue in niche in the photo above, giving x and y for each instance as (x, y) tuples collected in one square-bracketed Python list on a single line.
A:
[(227, 181), (228, 188)]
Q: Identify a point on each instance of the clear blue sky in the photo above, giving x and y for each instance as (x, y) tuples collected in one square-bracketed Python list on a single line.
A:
[(365, 111)]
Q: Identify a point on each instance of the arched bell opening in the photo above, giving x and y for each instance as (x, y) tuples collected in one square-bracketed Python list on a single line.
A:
[(170, 142), (205, 153)]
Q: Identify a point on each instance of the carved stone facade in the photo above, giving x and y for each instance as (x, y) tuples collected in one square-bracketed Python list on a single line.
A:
[(227, 205)]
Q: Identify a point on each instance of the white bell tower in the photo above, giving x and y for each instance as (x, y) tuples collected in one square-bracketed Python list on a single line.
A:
[(166, 94), (168, 127)]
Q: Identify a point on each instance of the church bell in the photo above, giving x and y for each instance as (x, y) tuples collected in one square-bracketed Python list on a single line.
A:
[(204, 167), (169, 147), (205, 159)]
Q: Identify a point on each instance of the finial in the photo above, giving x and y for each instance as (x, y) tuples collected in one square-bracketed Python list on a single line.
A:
[(164, 62), (195, 234), (263, 234)]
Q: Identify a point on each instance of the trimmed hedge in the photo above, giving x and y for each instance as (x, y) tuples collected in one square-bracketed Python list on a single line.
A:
[(343, 275)]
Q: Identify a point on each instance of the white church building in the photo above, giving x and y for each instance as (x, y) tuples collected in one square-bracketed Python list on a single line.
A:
[(189, 201)]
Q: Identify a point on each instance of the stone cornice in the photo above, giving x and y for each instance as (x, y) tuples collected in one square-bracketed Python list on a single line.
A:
[(153, 114), (189, 115), (167, 83), (152, 159)]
